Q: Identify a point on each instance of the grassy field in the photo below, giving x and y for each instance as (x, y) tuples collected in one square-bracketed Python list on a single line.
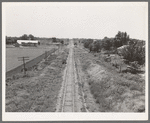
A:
[(12, 55)]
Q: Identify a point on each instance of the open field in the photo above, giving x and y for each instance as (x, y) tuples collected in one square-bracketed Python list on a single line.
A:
[(12, 55)]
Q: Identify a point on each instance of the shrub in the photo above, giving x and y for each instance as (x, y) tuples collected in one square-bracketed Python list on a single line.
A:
[(106, 43), (8, 79), (87, 43), (115, 65), (107, 59), (136, 87), (134, 64), (95, 46), (64, 61), (134, 53), (75, 43)]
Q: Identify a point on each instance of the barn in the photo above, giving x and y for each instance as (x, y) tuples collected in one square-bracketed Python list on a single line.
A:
[(27, 42)]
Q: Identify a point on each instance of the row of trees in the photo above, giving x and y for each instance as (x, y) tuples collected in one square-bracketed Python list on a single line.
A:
[(134, 51), (13, 40), (27, 37), (120, 39)]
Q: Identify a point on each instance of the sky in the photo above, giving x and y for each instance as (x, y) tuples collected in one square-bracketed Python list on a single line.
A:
[(76, 20)]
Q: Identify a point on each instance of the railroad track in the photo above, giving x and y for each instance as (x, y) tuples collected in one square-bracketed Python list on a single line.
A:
[(69, 94), (70, 99)]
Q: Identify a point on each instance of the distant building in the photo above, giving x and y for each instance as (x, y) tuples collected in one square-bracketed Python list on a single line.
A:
[(27, 43), (94, 40), (120, 49)]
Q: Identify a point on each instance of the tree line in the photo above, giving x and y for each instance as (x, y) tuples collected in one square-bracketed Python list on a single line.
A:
[(121, 38), (134, 52), (13, 40)]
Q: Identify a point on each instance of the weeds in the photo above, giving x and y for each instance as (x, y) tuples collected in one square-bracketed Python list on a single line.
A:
[(35, 95), (136, 87), (132, 77)]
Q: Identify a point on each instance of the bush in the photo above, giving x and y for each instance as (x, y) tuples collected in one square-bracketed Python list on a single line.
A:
[(115, 65), (64, 61), (136, 87), (134, 64), (87, 43), (134, 53), (75, 43), (95, 46), (107, 59)]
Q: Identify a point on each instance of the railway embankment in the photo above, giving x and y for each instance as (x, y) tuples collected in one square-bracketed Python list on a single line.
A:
[(108, 91)]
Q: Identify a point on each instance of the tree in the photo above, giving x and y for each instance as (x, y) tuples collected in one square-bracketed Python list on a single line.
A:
[(87, 43), (106, 43), (121, 38), (11, 40), (24, 37), (118, 36), (124, 39), (62, 42), (97, 46), (31, 37), (134, 53), (128, 38), (8, 40), (54, 39)]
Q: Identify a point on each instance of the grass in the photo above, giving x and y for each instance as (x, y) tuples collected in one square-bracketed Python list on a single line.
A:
[(133, 77), (39, 92)]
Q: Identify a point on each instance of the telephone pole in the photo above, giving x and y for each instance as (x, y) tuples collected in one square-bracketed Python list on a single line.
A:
[(23, 59)]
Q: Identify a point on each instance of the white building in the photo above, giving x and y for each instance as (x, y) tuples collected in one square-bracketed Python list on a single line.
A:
[(27, 42)]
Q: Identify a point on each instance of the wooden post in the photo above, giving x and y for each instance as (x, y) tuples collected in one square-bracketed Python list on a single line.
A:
[(45, 54), (24, 66), (120, 63), (23, 59), (58, 48)]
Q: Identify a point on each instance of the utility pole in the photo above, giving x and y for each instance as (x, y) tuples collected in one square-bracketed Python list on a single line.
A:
[(45, 54), (23, 59)]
